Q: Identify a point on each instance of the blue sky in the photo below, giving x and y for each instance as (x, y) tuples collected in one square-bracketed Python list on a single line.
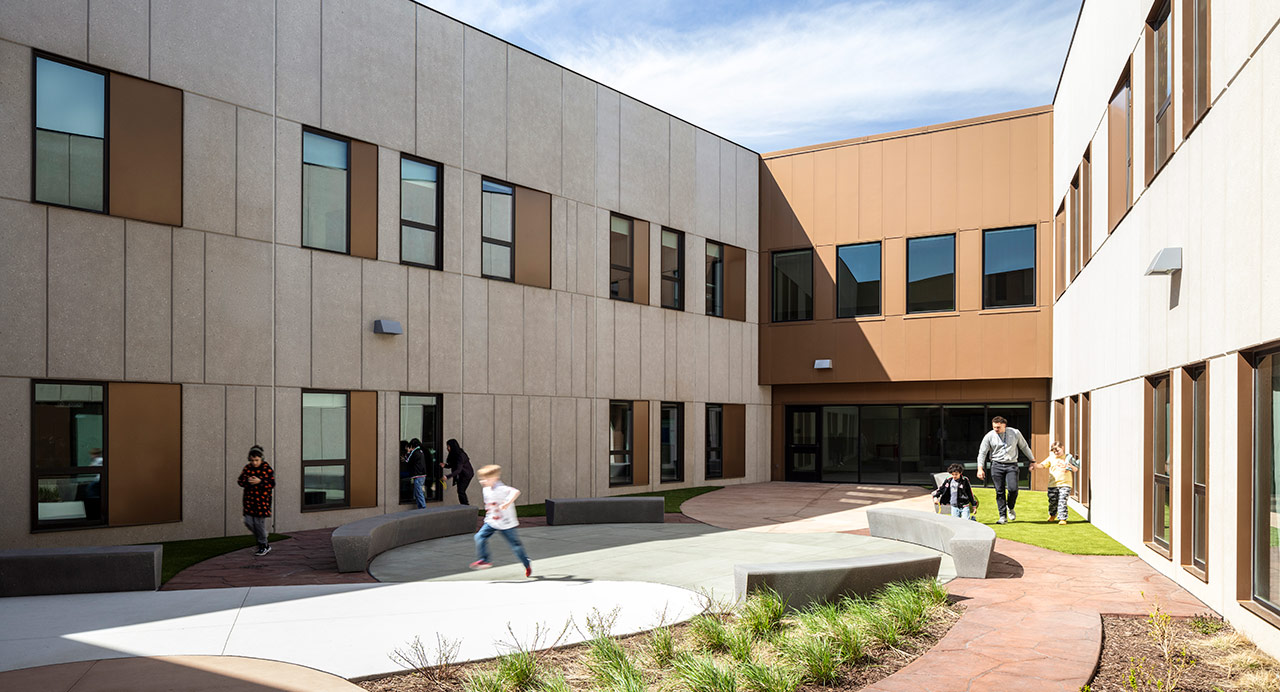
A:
[(775, 75)]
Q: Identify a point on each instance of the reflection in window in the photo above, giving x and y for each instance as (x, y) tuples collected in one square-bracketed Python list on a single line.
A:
[(931, 273), (1009, 267), (715, 441), (68, 454), (620, 472), (1266, 475), (858, 280), (715, 279), (1163, 93), (324, 192), (621, 284), (325, 464), (671, 461), (497, 230), (419, 213), (672, 269), (793, 285), (70, 135)]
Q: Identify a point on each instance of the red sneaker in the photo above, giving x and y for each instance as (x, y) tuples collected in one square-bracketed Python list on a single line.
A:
[(528, 571), (480, 564)]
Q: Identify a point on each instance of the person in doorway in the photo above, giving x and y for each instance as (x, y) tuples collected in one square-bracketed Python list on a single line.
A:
[(417, 462), (459, 468), (499, 516), (258, 480), (1060, 465), (957, 492), (1000, 450)]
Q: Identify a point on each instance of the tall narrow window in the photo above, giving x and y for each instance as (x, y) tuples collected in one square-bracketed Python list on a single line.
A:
[(325, 191), (1160, 90), (715, 441), (420, 196), (858, 280), (931, 274), (1060, 250), (325, 453), (70, 136), (715, 279), (1266, 478), (621, 274), (1195, 467), (497, 230), (1119, 152), (1009, 267), (68, 454), (793, 285), (620, 443), (1077, 216), (671, 465), (1195, 63), (1084, 457), (1160, 509), (672, 269)]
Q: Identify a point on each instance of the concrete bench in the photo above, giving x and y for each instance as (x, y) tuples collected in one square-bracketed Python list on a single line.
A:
[(802, 583), (605, 510), (967, 542), (43, 571), (355, 544)]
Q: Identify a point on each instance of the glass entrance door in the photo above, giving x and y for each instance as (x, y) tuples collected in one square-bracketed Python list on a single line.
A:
[(804, 429), (420, 419)]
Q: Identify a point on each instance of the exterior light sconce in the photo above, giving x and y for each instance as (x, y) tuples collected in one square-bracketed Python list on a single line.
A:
[(1166, 262), (387, 327), (822, 364)]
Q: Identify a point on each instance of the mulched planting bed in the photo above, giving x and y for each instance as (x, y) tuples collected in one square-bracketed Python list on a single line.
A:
[(1207, 655)]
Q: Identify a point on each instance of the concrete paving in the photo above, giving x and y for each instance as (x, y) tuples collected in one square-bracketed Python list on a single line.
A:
[(168, 673), (778, 507)]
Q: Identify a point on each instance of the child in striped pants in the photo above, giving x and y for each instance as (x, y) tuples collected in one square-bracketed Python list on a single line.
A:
[(1060, 468)]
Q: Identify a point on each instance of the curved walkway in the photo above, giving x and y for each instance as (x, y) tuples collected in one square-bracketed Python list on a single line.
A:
[(801, 507), (166, 673)]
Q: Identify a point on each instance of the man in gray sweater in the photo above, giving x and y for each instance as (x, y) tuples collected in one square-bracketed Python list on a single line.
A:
[(1000, 447)]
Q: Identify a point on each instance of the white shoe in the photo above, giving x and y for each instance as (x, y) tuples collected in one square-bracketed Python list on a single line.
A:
[(1000, 520), (1012, 515)]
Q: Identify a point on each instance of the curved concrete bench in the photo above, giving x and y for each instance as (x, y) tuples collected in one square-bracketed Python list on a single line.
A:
[(967, 542), (44, 571), (355, 544), (802, 583), (605, 510)]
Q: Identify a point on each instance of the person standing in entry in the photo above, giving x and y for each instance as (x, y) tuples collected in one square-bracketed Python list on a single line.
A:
[(258, 480), (459, 467), (500, 516), (417, 462), (1000, 449)]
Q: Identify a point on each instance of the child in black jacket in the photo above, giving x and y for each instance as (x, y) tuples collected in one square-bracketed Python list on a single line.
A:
[(957, 492)]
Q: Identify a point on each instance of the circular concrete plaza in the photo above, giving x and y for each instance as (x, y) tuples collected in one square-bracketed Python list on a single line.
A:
[(697, 557)]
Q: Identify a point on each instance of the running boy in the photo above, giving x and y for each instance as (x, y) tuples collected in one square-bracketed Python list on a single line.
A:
[(500, 516), (957, 492), (1060, 466)]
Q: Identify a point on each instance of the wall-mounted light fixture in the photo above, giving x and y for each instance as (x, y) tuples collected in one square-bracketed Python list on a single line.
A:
[(1167, 261), (822, 364), (387, 327)]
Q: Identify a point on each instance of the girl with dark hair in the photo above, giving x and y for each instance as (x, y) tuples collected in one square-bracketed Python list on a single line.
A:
[(258, 480), (459, 467)]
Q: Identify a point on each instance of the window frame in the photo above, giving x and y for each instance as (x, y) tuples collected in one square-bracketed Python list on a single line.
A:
[(1247, 487), (880, 282), (663, 408), (1159, 112), (439, 436), (494, 241), (1153, 480), (439, 227), (304, 464), (629, 452), (662, 276), (708, 447), (1123, 85), (1035, 254), (907, 275), (773, 284), (1195, 383), (714, 296), (630, 268), (1193, 29), (37, 54), (36, 475), (302, 188)]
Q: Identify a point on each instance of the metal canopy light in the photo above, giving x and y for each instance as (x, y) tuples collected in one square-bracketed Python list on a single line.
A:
[(1167, 261)]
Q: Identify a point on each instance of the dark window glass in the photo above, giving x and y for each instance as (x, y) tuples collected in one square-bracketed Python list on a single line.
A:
[(1163, 86), (858, 280), (1199, 469), (1266, 475), (1009, 267), (921, 443), (715, 441), (671, 462), (715, 279), (840, 444), (420, 196), (325, 190), (68, 454), (931, 274), (620, 472), (420, 419), (1199, 70), (879, 443), (1160, 448), (71, 135), (325, 463), (793, 285), (497, 230), (621, 286), (672, 269)]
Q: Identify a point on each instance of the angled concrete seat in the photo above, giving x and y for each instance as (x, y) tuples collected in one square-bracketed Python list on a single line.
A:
[(355, 544), (802, 583), (967, 542), (605, 510), (94, 569)]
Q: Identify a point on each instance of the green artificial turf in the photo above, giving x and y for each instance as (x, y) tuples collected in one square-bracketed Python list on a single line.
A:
[(179, 555), (672, 500), (1078, 537)]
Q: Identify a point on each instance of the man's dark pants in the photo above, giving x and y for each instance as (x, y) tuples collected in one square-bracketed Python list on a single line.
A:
[(1005, 479)]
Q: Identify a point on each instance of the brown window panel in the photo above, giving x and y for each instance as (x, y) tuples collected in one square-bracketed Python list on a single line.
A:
[(640, 263), (640, 442), (1086, 207), (1195, 62), (1157, 460), (533, 237), (1060, 250), (1158, 116), (1243, 528), (1120, 151), (735, 441), (145, 162), (1086, 448), (144, 429), (364, 200), (735, 284), (362, 437), (1076, 216)]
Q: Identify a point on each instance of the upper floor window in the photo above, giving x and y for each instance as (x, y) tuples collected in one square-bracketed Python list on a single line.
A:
[(326, 461), (420, 196), (68, 454), (1160, 89), (325, 191), (715, 279), (70, 136), (672, 269), (858, 280), (1195, 71), (931, 274), (1119, 152), (497, 230), (1009, 267), (621, 274), (793, 285)]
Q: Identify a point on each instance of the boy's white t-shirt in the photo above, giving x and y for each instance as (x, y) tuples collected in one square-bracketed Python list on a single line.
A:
[(493, 498)]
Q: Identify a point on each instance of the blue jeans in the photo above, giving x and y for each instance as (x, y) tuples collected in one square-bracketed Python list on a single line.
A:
[(482, 543), (961, 512), (419, 495)]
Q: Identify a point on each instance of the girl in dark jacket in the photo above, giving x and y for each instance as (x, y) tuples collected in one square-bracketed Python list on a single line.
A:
[(459, 465), (258, 480)]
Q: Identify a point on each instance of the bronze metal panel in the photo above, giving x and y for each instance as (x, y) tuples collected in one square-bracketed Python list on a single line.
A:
[(776, 470), (1044, 163), (1119, 115), (144, 427), (893, 354), (942, 356), (995, 346), (364, 200), (919, 189), (969, 351), (735, 283), (996, 174), (1186, 425), (735, 440), (917, 349), (1148, 110), (943, 181), (363, 437), (640, 262), (1039, 441), (870, 191), (1060, 420), (893, 187), (846, 191), (858, 358), (800, 196), (1044, 263), (1024, 203), (824, 282), (1148, 451), (1086, 446), (533, 238), (824, 198), (893, 287), (1060, 251), (1243, 528), (968, 275), (640, 443), (145, 166), (969, 155), (1086, 190)]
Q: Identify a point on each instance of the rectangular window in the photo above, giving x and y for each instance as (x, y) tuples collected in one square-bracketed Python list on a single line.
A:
[(326, 191), (1266, 478), (325, 451), (1009, 267), (621, 275), (715, 441), (68, 454), (1060, 250), (1159, 445), (421, 195), (497, 230), (1119, 152), (672, 269), (1083, 453), (620, 443), (1195, 466), (420, 419), (1195, 63), (858, 280), (793, 285), (671, 464), (1160, 90), (715, 279), (70, 135), (1076, 219), (931, 274)]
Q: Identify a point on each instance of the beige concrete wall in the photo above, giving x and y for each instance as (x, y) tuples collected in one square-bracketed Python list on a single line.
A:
[(234, 309)]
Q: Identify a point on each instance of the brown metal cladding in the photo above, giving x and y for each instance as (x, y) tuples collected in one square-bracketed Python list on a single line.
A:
[(1186, 408), (145, 166), (640, 261), (1244, 478), (735, 441), (735, 283), (1148, 451), (144, 425), (363, 438), (533, 237), (640, 443), (1060, 257), (364, 200), (1119, 114)]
